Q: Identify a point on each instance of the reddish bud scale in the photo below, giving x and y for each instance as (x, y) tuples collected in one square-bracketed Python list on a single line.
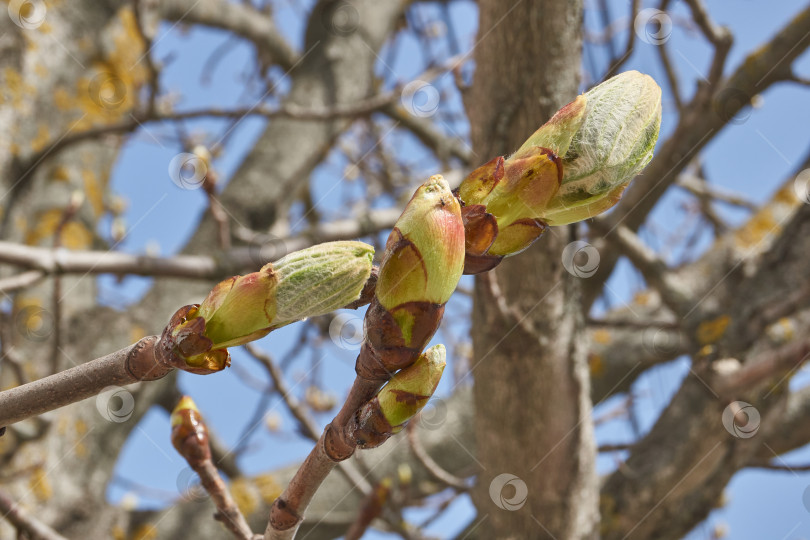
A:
[(190, 436), (385, 349), (421, 266), (183, 345)]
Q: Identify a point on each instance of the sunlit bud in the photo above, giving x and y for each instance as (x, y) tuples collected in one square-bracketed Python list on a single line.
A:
[(424, 254), (423, 261), (574, 167), (306, 283), (189, 434), (406, 394), (613, 144)]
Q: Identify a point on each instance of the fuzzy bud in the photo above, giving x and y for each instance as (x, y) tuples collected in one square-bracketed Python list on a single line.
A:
[(241, 309), (574, 167), (613, 144)]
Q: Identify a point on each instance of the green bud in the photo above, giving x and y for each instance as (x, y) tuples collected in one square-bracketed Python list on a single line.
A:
[(424, 254), (399, 400), (320, 279), (239, 306), (613, 144), (306, 283), (409, 389), (573, 167)]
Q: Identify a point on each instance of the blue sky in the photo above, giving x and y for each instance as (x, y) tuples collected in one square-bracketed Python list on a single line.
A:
[(751, 157)]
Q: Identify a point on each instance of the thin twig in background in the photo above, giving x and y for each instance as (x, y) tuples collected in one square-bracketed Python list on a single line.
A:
[(27, 525)]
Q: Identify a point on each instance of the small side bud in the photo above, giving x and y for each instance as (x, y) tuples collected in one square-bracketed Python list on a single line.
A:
[(189, 434), (406, 394)]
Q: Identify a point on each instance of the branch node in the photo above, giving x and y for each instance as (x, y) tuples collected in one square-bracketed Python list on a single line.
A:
[(282, 517), (142, 361)]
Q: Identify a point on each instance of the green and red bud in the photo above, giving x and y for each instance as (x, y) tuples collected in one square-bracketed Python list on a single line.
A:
[(421, 267), (574, 167), (401, 399), (241, 309), (189, 434), (613, 144)]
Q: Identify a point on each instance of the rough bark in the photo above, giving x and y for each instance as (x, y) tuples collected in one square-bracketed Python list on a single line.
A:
[(531, 388)]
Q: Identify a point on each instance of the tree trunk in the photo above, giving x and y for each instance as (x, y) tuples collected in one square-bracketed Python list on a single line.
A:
[(531, 390)]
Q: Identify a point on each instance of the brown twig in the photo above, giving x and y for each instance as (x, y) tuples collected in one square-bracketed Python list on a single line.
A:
[(68, 214), (227, 511), (26, 524), (138, 362), (618, 62), (23, 280), (763, 367), (131, 364)]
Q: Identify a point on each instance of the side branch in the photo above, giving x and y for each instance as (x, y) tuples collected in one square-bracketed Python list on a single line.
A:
[(129, 365), (27, 525)]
